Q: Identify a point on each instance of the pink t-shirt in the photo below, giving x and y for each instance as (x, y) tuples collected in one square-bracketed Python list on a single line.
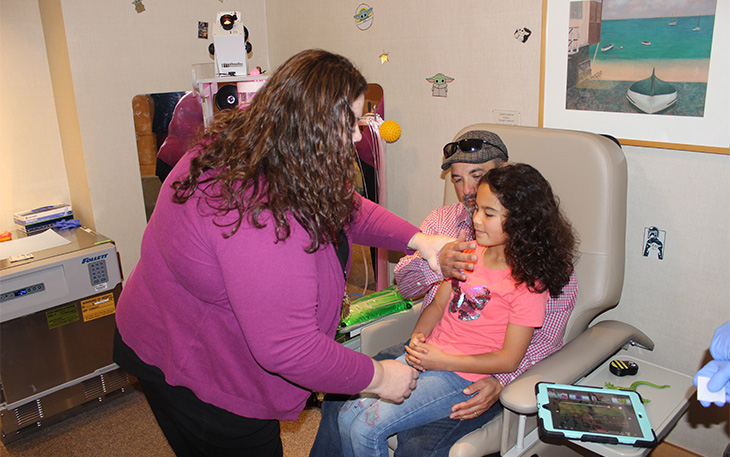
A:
[(475, 320)]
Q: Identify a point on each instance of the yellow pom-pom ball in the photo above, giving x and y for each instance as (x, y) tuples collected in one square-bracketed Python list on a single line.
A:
[(390, 131)]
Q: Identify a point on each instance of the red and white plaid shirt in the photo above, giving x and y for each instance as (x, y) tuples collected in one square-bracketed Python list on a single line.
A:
[(415, 278)]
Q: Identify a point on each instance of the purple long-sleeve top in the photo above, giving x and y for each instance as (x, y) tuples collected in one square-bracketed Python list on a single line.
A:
[(245, 322)]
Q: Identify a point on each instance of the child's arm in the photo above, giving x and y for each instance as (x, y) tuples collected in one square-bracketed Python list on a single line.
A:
[(433, 312), (427, 321), (504, 360)]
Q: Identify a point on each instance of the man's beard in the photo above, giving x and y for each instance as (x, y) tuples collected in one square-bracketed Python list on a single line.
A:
[(470, 202)]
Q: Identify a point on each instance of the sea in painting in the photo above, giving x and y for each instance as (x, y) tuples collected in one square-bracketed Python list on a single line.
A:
[(656, 65)]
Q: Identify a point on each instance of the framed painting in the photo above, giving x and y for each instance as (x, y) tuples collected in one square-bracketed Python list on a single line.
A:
[(648, 73)]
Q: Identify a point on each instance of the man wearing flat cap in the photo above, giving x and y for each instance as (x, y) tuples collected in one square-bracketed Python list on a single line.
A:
[(468, 158)]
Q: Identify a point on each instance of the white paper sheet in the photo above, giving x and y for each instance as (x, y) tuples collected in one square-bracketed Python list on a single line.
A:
[(31, 244)]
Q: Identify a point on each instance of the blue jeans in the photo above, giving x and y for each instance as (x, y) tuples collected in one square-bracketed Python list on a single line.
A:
[(430, 440), (365, 423)]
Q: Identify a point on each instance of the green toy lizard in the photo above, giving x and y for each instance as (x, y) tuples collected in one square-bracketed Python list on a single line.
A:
[(634, 386)]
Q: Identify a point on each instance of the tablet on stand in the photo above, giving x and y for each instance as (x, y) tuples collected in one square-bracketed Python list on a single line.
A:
[(593, 414)]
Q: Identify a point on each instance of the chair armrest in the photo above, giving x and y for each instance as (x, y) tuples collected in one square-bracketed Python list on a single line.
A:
[(575, 360), (389, 331)]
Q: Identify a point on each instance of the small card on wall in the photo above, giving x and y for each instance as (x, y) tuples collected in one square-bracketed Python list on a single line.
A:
[(202, 30), (506, 117)]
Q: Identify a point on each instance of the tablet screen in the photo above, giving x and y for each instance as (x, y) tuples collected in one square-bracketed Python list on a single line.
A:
[(593, 412)]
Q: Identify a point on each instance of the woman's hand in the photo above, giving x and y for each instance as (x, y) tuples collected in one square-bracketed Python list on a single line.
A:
[(454, 258), (392, 380), (429, 246)]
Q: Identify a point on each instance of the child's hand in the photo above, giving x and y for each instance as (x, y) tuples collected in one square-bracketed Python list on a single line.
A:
[(427, 357), (414, 362), (417, 338), (415, 345)]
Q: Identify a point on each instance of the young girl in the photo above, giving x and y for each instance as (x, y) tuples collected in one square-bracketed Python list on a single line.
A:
[(483, 325)]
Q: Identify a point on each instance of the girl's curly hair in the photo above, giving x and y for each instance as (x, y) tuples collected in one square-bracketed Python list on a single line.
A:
[(541, 243), (290, 153)]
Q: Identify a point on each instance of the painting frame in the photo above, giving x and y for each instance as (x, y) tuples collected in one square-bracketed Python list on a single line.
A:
[(709, 133)]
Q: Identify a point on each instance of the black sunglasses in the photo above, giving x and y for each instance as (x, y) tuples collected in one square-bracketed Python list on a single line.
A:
[(465, 145)]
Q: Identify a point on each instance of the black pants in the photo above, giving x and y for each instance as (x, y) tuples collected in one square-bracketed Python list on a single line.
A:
[(162, 170), (193, 427), (370, 181)]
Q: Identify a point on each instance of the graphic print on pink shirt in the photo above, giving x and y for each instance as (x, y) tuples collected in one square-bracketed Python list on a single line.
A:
[(468, 305)]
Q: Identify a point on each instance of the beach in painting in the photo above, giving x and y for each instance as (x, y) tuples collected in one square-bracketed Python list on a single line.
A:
[(671, 70), (677, 49)]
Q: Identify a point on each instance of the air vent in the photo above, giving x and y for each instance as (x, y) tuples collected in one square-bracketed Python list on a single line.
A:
[(94, 387), (116, 380), (29, 413)]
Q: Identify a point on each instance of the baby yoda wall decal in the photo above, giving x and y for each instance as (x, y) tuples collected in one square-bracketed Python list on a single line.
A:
[(439, 83), (364, 17)]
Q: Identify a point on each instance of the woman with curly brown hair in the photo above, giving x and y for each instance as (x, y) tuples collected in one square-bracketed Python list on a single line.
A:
[(482, 326), (228, 318)]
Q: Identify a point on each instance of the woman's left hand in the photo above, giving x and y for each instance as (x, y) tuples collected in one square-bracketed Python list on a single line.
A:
[(429, 246)]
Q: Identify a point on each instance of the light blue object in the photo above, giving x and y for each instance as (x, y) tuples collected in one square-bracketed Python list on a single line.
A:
[(718, 370), (720, 346)]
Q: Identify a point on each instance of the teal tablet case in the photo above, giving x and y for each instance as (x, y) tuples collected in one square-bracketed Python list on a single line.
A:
[(593, 414)]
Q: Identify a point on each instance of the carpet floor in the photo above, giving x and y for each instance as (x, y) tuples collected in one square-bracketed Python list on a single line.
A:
[(125, 427)]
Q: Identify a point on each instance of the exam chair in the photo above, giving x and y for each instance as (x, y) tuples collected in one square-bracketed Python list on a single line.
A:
[(588, 174)]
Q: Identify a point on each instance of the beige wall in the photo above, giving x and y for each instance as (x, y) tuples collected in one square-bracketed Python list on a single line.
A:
[(31, 160), (678, 301), (474, 44)]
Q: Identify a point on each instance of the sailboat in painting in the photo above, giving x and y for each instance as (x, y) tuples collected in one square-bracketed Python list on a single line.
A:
[(697, 27), (675, 19)]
